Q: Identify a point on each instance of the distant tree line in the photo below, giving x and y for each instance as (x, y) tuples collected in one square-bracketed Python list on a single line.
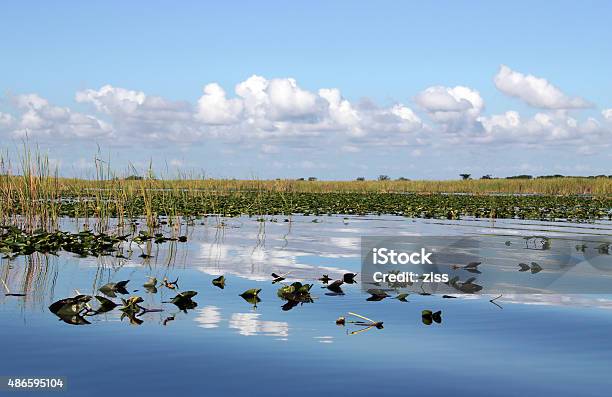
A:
[(467, 177)]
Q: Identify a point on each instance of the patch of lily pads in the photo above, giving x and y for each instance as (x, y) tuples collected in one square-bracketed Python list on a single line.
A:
[(442, 206), (80, 309), (77, 310), (15, 242)]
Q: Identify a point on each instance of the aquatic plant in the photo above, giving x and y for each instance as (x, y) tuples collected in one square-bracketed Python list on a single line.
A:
[(335, 287), (364, 322), (401, 297), (111, 289), (325, 279), (377, 295), (295, 292), (219, 282), (428, 317)]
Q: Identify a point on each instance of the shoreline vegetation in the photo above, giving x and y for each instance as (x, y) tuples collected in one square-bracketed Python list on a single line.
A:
[(33, 195)]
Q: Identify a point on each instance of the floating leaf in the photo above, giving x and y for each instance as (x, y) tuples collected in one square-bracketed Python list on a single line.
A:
[(131, 315), (111, 289), (131, 304), (73, 319), (325, 279), (427, 316), (121, 284), (335, 286), (535, 268), (289, 305), (106, 305), (349, 278), (401, 297), (377, 295), (108, 290), (151, 290), (250, 293), (437, 316), (70, 306), (296, 291), (470, 288), (219, 282), (183, 296), (150, 283), (252, 299)]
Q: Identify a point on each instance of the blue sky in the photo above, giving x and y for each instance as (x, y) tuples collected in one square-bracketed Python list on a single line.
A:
[(396, 67)]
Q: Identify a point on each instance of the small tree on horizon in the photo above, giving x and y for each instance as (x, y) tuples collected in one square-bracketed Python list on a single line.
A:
[(465, 177)]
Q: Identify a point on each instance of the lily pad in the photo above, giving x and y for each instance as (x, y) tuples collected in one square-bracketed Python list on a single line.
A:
[(524, 267), (535, 268), (150, 283), (70, 306), (251, 293), (349, 278), (111, 289), (73, 320), (294, 294), (401, 297), (253, 300), (131, 304), (183, 296), (335, 286), (219, 282), (428, 317), (377, 295), (325, 279), (106, 305)]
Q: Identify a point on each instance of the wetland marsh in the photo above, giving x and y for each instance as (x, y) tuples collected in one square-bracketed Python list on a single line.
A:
[(156, 286)]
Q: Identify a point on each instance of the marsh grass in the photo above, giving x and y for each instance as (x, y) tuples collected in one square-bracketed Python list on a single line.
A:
[(33, 196)]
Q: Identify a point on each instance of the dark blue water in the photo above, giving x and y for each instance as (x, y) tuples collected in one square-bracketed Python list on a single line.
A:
[(533, 345)]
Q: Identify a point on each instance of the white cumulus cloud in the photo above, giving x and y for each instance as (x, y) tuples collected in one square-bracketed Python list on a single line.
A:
[(544, 128), (111, 100), (275, 114), (41, 119), (456, 107), (535, 91), (215, 108)]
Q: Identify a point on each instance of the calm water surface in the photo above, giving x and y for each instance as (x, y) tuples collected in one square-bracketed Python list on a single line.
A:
[(529, 345)]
